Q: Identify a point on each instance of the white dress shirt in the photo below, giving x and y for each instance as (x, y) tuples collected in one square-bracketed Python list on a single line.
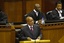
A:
[(60, 15), (30, 27), (35, 12)]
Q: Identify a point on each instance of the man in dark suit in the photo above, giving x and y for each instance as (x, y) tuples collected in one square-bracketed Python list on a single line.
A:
[(57, 13), (30, 31), (3, 17), (36, 14)]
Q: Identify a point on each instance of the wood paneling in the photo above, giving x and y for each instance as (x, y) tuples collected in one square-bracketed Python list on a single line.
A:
[(1, 5), (7, 34), (43, 6), (62, 3), (23, 10), (13, 11), (30, 5), (53, 31), (49, 5)]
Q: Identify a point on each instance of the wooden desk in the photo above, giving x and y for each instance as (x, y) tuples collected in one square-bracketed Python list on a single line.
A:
[(7, 34), (52, 31), (18, 26), (40, 41)]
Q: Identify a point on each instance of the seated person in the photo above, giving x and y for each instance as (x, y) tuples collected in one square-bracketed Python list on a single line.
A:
[(3, 17), (57, 13), (31, 31), (36, 13)]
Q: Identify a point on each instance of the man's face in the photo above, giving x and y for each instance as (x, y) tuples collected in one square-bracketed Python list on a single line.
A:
[(59, 6), (37, 7), (30, 21)]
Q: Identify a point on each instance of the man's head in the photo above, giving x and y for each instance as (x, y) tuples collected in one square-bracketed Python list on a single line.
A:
[(59, 5), (37, 7), (30, 21)]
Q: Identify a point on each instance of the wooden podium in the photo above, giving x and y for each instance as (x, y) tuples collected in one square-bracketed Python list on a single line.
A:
[(61, 40), (52, 31), (7, 34), (40, 41)]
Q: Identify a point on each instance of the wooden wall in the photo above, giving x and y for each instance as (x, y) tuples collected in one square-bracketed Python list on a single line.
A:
[(13, 9), (16, 9), (48, 5), (7, 34), (54, 32), (30, 5), (62, 3)]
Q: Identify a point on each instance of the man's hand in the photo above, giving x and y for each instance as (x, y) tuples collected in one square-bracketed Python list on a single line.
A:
[(40, 21), (38, 38), (28, 38)]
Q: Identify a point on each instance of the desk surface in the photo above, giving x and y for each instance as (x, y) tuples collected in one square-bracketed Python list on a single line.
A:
[(45, 41)]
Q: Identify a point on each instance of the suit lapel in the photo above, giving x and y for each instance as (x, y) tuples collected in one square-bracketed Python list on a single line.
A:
[(34, 30), (57, 14), (29, 31)]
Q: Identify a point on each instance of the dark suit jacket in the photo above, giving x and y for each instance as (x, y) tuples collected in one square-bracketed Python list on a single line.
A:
[(33, 15), (3, 17), (26, 32), (53, 15)]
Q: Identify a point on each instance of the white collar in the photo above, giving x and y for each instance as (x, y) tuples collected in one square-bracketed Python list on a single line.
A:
[(29, 26), (34, 10), (59, 10)]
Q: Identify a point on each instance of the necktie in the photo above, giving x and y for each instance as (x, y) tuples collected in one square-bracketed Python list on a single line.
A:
[(31, 28)]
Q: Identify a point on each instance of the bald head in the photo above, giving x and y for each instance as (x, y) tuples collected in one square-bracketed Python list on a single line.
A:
[(29, 20), (37, 7)]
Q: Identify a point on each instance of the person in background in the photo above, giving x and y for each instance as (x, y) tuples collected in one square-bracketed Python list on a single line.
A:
[(36, 13), (31, 31), (57, 13), (3, 17)]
